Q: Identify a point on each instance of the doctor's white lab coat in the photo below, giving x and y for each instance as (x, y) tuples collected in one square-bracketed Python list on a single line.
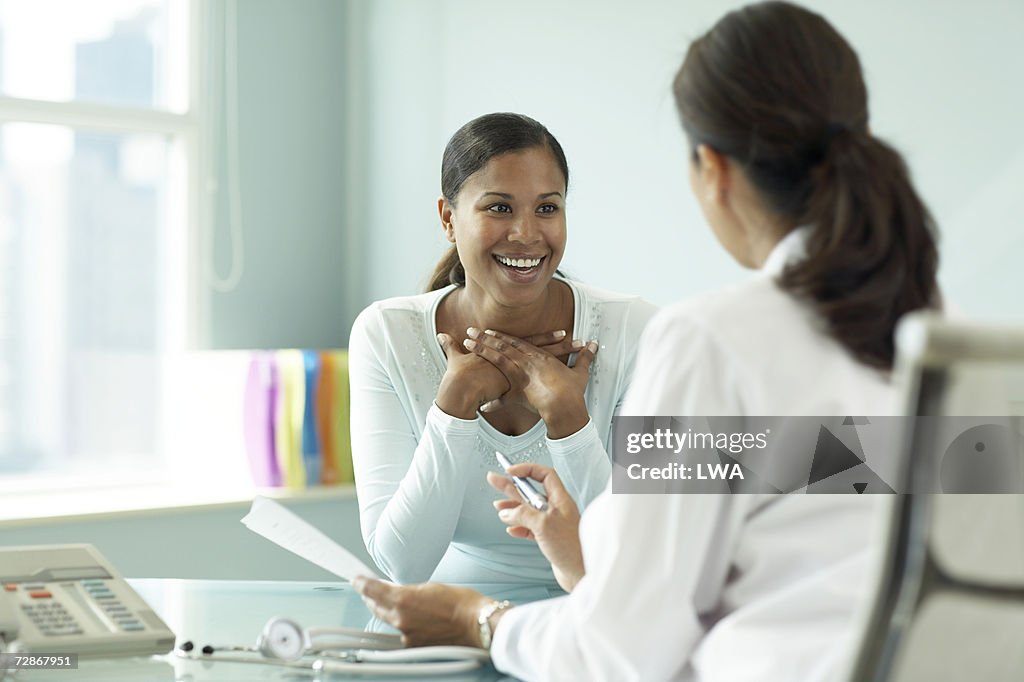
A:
[(718, 587)]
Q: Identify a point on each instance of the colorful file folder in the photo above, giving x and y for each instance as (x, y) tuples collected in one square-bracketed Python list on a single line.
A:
[(297, 418)]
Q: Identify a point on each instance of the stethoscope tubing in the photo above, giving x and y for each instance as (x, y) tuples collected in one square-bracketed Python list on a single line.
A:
[(364, 662), (335, 649), (324, 638)]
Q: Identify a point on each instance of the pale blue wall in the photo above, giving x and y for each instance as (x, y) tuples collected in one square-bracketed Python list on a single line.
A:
[(944, 78), (292, 96), (346, 107)]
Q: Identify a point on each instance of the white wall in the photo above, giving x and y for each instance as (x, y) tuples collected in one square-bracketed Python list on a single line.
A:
[(944, 79)]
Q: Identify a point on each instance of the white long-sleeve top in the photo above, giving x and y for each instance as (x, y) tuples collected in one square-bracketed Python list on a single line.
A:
[(424, 502), (706, 586)]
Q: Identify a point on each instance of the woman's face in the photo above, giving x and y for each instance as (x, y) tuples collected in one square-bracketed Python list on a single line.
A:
[(508, 224)]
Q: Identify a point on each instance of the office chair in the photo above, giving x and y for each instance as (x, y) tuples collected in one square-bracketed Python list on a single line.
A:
[(950, 599)]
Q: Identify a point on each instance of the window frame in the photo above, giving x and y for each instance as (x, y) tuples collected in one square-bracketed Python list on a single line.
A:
[(189, 127)]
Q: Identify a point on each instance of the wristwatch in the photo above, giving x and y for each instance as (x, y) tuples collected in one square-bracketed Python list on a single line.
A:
[(483, 618)]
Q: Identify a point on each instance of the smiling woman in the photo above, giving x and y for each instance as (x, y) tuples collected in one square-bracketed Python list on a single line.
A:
[(500, 355)]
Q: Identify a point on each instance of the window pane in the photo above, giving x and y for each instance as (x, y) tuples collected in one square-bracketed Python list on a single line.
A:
[(83, 235), (122, 52)]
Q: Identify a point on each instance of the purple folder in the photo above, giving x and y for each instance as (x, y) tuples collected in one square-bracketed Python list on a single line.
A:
[(261, 389)]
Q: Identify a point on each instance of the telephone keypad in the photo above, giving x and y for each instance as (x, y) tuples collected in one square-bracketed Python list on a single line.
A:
[(51, 618), (102, 595)]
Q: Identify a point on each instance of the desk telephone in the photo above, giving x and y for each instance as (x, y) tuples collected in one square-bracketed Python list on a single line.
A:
[(70, 599)]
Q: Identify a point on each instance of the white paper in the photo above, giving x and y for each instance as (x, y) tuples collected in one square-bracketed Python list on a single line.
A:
[(281, 526)]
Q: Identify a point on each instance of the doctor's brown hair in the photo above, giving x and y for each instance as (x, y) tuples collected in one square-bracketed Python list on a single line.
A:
[(468, 151), (774, 87)]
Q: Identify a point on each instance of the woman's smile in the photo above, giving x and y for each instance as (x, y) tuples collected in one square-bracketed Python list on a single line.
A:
[(521, 269)]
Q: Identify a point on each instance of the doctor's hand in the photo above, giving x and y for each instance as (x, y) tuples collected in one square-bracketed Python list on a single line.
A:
[(426, 614), (554, 390), (556, 530)]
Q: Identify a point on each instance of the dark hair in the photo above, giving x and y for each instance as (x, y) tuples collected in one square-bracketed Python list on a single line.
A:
[(776, 88), (469, 150)]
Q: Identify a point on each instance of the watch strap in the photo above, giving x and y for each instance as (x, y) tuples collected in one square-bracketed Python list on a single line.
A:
[(483, 619)]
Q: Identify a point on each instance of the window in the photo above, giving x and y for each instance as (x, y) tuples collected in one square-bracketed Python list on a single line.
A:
[(98, 141)]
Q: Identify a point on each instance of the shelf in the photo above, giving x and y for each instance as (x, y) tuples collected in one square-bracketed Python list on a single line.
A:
[(139, 498)]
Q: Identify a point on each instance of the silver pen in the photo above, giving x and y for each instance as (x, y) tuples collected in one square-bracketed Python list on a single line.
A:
[(525, 486)]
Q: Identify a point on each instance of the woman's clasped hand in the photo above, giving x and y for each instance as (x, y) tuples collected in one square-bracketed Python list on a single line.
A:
[(495, 370), (480, 377)]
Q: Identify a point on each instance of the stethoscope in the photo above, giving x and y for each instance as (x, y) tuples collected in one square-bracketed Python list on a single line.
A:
[(284, 642)]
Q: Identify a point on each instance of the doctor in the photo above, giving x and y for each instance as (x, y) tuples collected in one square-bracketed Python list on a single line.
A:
[(733, 587)]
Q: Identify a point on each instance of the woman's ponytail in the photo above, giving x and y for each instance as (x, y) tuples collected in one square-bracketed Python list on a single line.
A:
[(448, 270), (871, 252)]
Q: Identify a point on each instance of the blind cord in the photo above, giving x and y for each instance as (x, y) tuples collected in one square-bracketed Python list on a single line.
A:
[(232, 153)]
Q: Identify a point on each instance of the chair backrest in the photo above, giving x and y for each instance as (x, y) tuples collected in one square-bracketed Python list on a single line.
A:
[(950, 595)]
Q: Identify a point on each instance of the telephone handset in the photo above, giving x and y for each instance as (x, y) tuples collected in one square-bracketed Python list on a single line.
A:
[(70, 599)]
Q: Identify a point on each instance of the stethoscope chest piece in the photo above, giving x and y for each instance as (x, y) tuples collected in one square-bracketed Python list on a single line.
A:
[(282, 639)]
